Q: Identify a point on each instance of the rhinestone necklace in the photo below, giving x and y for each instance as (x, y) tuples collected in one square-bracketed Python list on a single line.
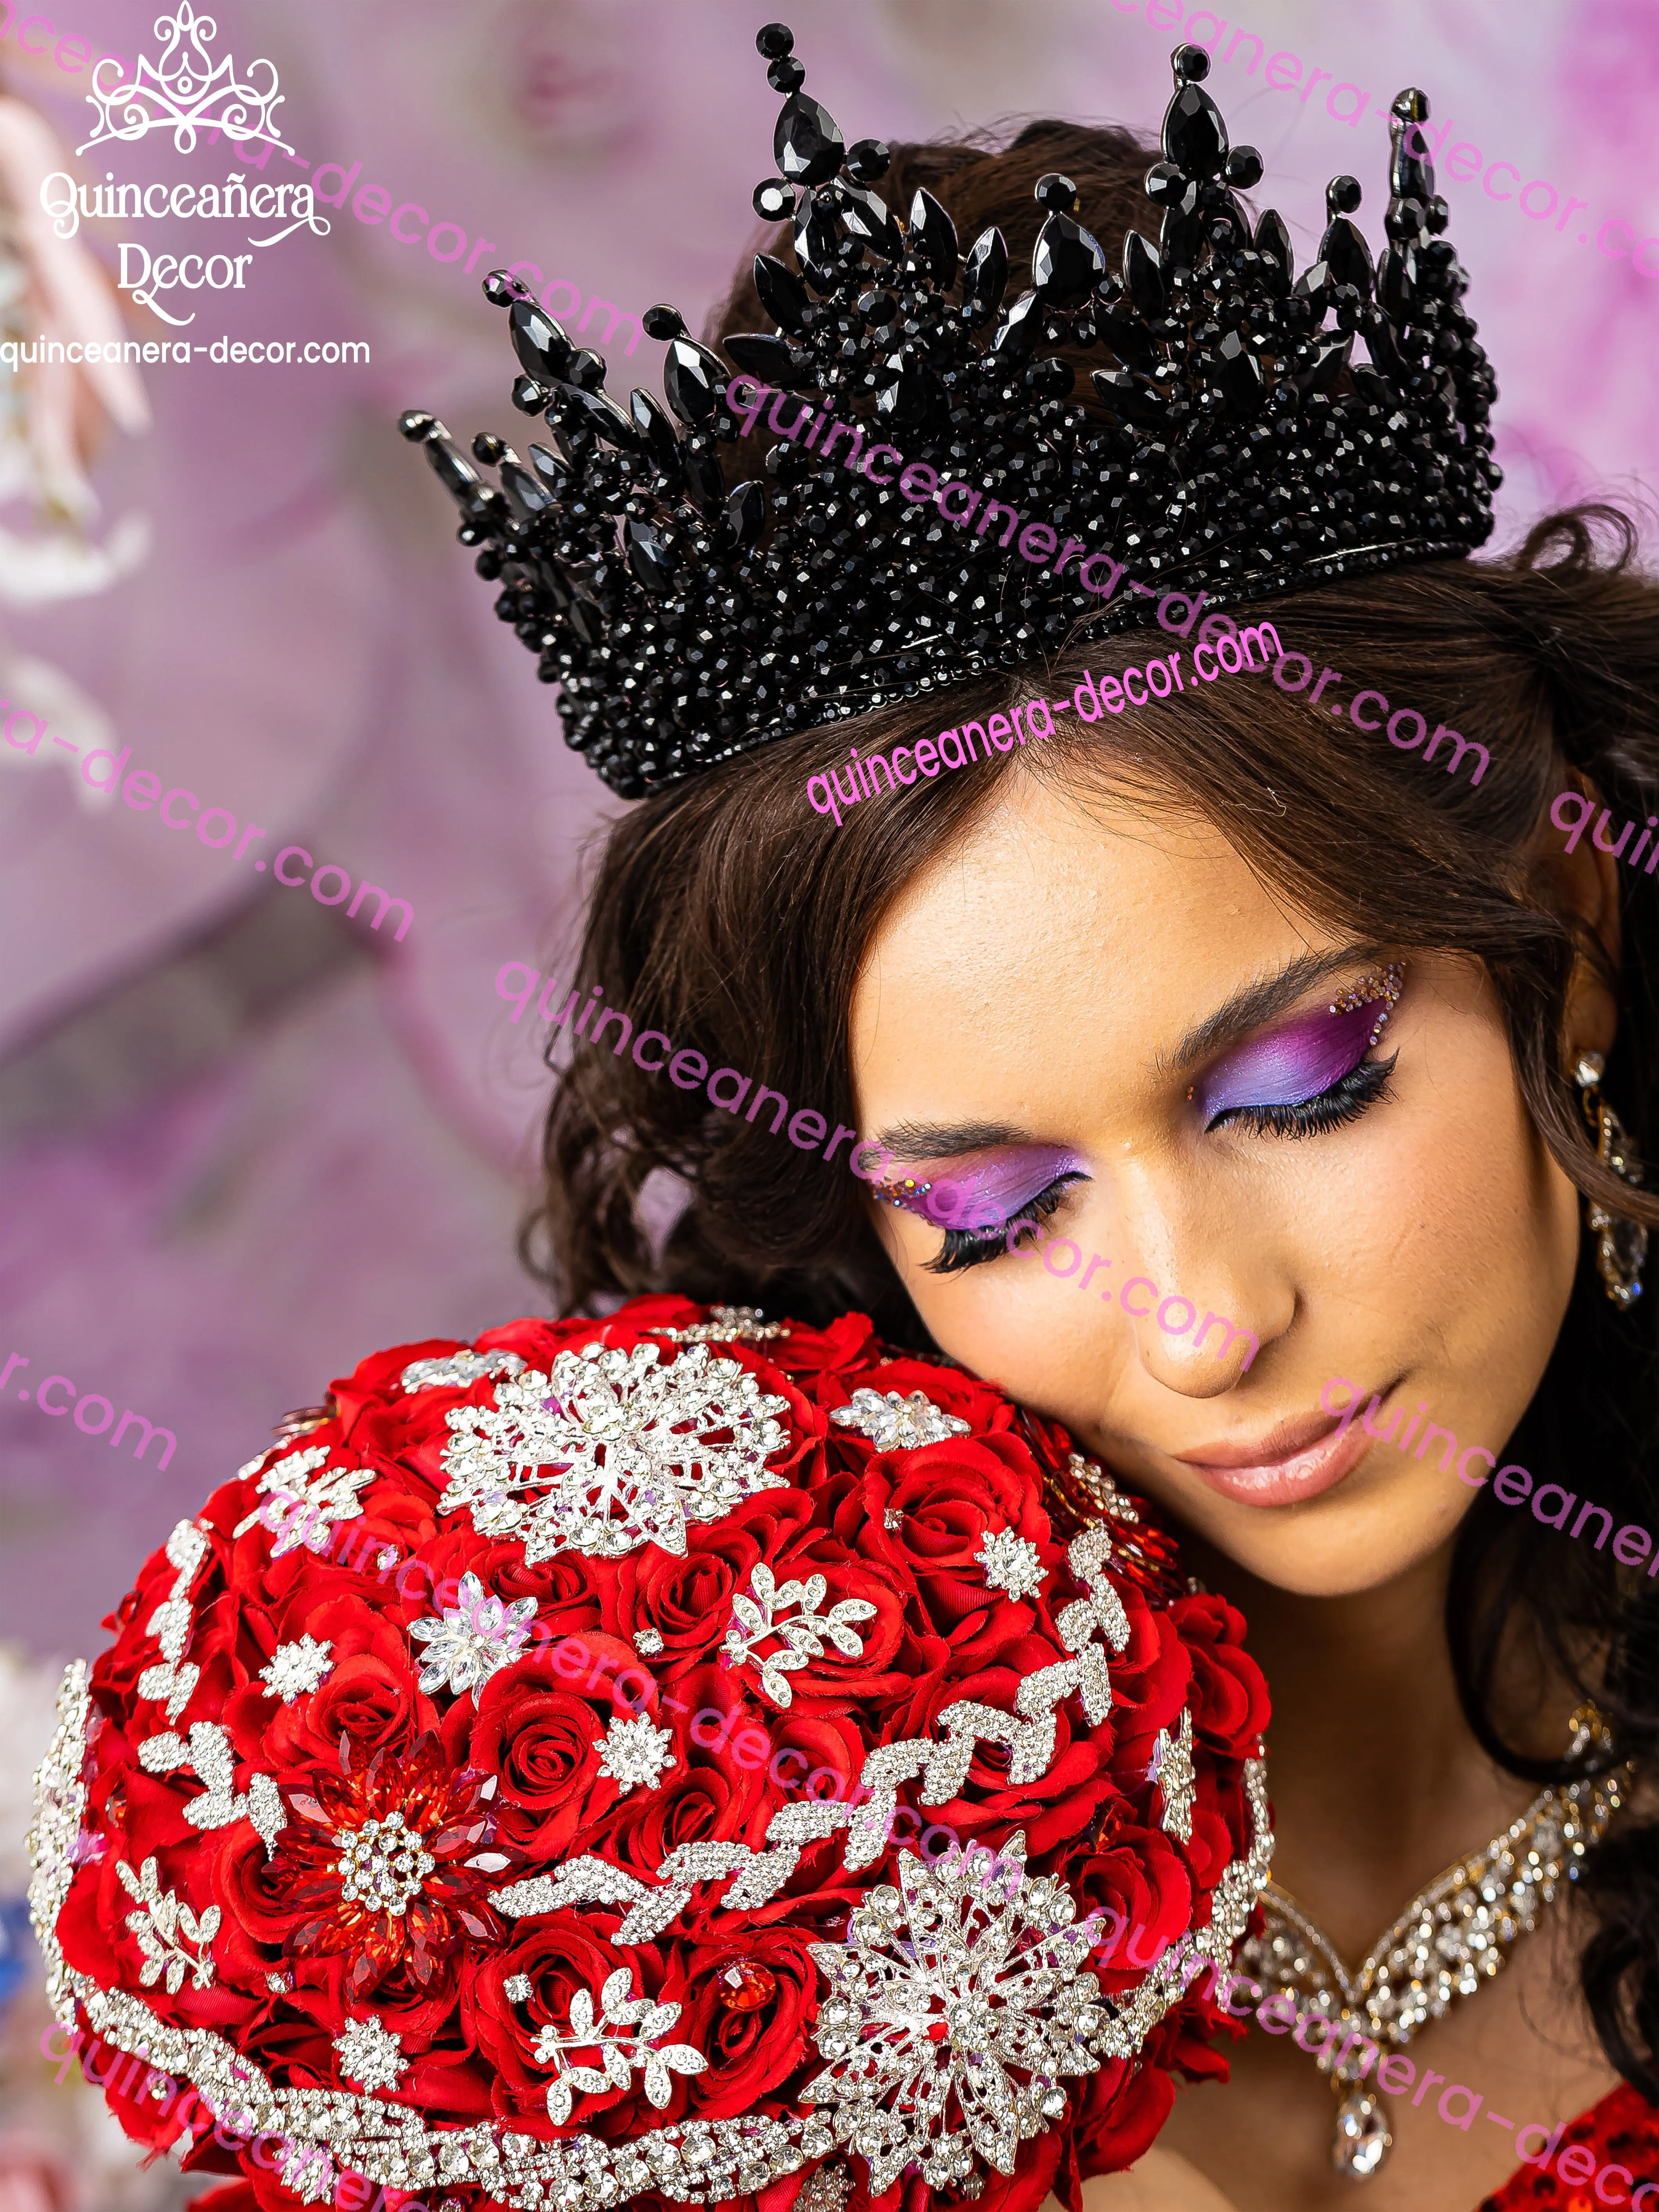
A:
[(1453, 1935)]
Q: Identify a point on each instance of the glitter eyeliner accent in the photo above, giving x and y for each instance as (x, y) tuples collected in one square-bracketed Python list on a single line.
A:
[(1387, 987)]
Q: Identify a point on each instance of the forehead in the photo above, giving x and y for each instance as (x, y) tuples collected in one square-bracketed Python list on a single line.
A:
[(1060, 921)]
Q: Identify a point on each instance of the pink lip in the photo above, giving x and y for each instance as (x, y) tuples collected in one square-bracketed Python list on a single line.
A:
[(1297, 1460)]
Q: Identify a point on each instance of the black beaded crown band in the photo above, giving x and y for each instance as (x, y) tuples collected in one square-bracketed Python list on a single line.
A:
[(1243, 450)]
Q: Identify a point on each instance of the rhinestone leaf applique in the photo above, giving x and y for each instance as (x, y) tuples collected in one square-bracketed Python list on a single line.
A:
[(956, 2005), (622, 2035), (209, 1757), (1012, 1564), (296, 1669), (459, 1370), (894, 1423), (469, 1642), (1172, 1771), (370, 2055), (613, 1451), (172, 1678), (635, 1751), (303, 1505), (165, 1928), (754, 1618)]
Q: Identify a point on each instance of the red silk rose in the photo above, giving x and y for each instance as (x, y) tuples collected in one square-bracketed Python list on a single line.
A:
[(492, 1759)]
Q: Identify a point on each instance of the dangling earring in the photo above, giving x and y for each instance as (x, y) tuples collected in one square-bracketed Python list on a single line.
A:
[(1623, 1243)]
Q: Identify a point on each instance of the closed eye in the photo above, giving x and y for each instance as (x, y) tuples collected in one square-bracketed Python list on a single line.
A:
[(964, 1248), (1347, 1098)]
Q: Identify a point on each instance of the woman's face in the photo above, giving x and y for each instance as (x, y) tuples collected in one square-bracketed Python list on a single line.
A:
[(1111, 1008)]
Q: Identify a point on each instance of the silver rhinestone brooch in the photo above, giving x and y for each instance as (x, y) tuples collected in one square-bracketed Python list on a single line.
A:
[(957, 2007), (894, 1423)]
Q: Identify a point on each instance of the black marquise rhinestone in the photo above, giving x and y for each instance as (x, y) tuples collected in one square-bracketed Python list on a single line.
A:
[(1253, 427), (539, 343)]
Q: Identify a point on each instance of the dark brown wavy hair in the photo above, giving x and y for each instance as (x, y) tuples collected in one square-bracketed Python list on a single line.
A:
[(728, 914)]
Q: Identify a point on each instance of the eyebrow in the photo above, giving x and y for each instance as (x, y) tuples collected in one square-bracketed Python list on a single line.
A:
[(1256, 1003), (943, 1141)]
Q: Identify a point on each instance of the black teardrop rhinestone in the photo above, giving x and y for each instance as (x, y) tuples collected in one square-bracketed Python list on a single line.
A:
[(1132, 402), (694, 379), (1195, 135), (1412, 180), (807, 144), (1066, 263), (1396, 282), (781, 292)]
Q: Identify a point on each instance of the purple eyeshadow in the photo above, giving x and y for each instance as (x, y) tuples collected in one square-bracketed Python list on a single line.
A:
[(994, 1191), (1291, 1066)]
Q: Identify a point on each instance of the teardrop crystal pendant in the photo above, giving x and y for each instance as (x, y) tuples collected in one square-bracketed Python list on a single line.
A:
[(1363, 2136)]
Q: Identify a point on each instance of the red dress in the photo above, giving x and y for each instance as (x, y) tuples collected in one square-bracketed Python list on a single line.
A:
[(1610, 2154)]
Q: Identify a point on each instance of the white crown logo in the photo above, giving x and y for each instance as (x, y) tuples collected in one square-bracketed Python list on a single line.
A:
[(186, 91)]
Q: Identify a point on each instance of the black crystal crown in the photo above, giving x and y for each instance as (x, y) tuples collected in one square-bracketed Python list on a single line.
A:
[(1236, 448)]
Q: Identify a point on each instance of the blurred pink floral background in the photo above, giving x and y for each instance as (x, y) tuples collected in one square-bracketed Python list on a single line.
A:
[(244, 1141)]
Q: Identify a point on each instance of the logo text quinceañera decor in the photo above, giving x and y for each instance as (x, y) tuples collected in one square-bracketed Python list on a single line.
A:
[(185, 92)]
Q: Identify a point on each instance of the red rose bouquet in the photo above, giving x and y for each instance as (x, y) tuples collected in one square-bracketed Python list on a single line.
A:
[(676, 1758)]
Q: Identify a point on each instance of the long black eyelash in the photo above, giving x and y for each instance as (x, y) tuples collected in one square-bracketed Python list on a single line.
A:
[(963, 1249), (1351, 1095)]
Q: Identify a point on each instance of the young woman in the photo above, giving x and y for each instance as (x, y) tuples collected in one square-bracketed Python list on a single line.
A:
[(1092, 982), (1276, 1001)]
